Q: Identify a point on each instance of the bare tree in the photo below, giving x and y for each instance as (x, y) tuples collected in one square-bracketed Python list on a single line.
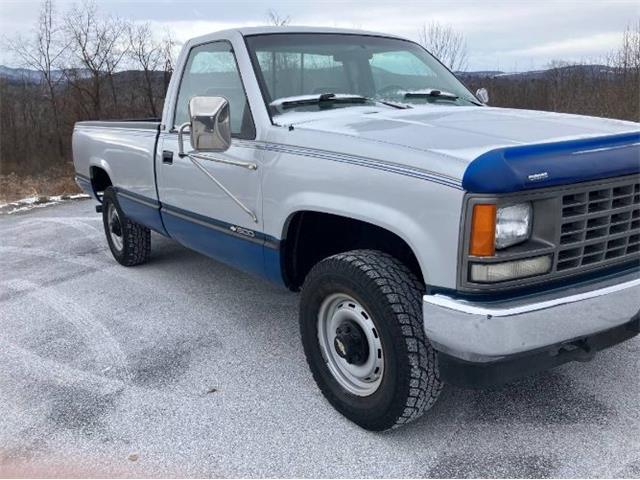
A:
[(148, 54), (168, 59), (115, 29), (97, 45), (42, 54), (626, 62), (628, 56), (277, 20), (446, 44)]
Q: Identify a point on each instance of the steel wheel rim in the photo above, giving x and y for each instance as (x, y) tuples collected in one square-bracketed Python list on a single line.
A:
[(115, 227), (361, 380)]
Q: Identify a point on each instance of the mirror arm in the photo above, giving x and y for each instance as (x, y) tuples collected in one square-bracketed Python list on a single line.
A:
[(209, 157), (181, 130), (201, 156), (223, 188), (194, 155)]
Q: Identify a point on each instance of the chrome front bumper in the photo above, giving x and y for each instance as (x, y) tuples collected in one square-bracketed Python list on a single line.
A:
[(487, 332)]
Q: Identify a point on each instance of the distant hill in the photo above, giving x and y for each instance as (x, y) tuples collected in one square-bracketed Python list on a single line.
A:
[(481, 73), (532, 74), (19, 75)]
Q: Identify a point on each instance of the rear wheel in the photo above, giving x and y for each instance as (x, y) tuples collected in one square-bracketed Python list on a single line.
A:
[(129, 242), (361, 327)]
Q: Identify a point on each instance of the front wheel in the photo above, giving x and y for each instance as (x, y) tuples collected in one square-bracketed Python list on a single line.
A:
[(129, 242), (361, 327)]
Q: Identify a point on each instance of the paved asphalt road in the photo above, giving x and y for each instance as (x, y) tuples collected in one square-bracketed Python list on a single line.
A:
[(184, 367)]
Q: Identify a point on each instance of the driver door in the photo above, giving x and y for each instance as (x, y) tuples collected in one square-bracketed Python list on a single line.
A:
[(213, 207)]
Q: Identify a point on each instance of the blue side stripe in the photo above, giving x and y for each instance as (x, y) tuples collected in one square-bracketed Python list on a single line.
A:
[(152, 202), (355, 160), (258, 255), (141, 209), (224, 227), (236, 252), (513, 169)]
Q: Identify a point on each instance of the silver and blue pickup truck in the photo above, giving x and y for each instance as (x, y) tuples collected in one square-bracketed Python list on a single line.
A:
[(434, 239)]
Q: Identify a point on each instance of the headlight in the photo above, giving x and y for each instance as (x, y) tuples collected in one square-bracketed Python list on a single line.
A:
[(513, 224)]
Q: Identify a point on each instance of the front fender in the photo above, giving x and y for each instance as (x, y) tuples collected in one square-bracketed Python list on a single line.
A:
[(381, 215), (424, 214)]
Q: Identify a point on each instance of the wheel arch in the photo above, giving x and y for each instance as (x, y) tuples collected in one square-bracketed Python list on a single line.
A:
[(309, 235), (100, 178)]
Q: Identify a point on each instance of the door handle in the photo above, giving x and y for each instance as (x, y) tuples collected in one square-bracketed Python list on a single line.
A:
[(167, 157)]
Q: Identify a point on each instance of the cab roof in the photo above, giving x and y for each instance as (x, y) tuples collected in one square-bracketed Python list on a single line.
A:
[(265, 30)]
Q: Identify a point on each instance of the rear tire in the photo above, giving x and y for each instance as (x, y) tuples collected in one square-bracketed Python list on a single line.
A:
[(377, 301), (129, 242)]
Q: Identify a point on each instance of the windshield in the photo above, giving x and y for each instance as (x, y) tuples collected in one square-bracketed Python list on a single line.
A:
[(294, 65)]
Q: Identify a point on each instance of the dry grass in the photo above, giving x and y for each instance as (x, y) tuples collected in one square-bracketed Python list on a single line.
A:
[(57, 181)]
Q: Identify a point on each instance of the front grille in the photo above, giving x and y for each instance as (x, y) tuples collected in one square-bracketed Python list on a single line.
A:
[(600, 225)]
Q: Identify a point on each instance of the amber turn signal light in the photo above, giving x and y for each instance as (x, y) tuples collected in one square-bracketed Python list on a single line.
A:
[(483, 231)]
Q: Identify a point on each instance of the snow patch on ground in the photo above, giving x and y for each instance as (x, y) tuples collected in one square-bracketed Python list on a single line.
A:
[(30, 203)]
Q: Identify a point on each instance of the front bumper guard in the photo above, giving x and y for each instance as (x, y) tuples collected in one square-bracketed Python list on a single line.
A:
[(490, 331), (484, 344)]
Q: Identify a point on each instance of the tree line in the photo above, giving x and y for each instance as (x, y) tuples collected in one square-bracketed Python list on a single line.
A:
[(95, 66), (609, 88), (89, 66)]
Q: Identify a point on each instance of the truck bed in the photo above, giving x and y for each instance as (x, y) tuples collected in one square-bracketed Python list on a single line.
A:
[(125, 150)]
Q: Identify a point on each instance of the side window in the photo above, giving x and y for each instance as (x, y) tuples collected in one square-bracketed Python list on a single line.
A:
[(212, 70)]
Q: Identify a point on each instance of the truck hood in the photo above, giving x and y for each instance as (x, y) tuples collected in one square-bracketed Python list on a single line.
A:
[(447, 140)]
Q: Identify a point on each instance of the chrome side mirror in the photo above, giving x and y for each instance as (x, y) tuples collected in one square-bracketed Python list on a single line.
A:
[(210, 127), (483, 95)]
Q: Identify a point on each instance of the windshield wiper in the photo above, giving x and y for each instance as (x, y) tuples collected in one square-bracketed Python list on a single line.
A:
[(431, 92), (322, 99), (329, 99)]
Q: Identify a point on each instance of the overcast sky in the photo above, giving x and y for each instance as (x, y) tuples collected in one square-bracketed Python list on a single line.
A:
[(501, 35)]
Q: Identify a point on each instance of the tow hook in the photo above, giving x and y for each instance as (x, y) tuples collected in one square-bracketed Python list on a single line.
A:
[(99, 208), (580, 350)]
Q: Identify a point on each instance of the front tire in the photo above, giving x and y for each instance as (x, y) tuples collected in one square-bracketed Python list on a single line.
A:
[(129, 242), (362, 332)]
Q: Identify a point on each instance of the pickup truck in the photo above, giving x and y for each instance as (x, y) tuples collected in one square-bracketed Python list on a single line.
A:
[(435, 239)]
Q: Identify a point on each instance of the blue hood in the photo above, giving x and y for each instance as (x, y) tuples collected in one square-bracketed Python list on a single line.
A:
[(513, 169)]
